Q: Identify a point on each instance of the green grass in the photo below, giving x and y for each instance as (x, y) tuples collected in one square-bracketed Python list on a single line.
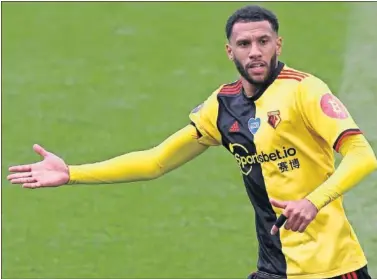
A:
[(93, 80)]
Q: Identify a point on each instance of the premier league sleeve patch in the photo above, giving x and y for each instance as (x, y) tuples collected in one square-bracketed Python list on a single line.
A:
[(196, 109)]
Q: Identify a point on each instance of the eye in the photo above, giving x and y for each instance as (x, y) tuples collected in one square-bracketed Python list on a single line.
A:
[(263, 41), (243, 43)]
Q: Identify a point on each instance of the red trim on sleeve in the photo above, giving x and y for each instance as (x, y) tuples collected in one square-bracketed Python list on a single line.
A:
[(343, 135)]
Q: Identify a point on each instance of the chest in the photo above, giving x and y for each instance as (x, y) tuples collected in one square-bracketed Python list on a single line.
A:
[(263, 125), (260, 132)]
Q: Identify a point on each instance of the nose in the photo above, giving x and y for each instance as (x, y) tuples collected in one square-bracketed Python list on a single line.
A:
[(255, 52)]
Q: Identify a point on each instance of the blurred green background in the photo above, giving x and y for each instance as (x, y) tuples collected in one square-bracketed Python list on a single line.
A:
[(89, 81)]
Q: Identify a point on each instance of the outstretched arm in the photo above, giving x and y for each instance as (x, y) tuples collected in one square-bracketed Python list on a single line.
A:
[(175, 151)]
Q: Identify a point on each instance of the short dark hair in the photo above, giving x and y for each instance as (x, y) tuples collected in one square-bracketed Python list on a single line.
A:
[(251, 13)]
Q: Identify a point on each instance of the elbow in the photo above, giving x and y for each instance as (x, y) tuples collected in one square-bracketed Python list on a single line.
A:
[(365, 156), (152, 175), (155, 169), (370, 161), (373, 163), (151, 172), (157, 173)]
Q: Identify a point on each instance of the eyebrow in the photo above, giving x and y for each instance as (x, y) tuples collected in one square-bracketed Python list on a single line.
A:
[(265, 36), (248, 39)]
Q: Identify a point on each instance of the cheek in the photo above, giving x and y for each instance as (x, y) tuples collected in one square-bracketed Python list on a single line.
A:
[(241, 54), (270, 52)]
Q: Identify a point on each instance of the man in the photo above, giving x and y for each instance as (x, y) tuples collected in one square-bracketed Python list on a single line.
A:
[(281, 125)]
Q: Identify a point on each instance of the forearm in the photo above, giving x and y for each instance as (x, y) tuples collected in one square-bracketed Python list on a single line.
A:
[(175, 151), (358, 161)]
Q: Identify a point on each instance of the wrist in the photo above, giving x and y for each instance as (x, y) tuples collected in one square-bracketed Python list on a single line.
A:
[(70, 180), (315, 204)]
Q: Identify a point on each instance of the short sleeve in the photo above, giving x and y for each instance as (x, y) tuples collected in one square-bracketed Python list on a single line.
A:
[(204, 118), (324, 113)]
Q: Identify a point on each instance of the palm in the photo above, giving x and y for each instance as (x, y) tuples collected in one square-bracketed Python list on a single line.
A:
[(50, 172)]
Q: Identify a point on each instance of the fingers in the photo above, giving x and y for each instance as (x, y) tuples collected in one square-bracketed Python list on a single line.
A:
[(32, 185), (296, 223), (20, 168), (297, 215), (19, 175), (299, 225), (290, 223), (302, 227), (23, 180), (282, 218), (293, 218), (279, 204), (27, 168), (274, 230), (40, 150), (278, 224)]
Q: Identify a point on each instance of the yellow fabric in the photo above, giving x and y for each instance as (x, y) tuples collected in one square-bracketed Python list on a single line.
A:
[(310, 94), (359, 160), (329, 246), (297, 161), (175, 151), (204, 117)]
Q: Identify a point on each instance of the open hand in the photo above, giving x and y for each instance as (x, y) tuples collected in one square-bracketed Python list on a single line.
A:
[(298, 214), (50, 172)]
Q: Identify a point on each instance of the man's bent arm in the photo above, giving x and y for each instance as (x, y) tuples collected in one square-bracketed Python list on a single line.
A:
[(175, 151), (358, 161)]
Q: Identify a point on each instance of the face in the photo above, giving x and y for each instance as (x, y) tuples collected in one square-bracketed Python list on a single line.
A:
[(254, 48)]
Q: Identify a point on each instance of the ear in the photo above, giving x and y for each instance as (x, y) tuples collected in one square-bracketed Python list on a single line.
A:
[(279, 45), (229, 51)]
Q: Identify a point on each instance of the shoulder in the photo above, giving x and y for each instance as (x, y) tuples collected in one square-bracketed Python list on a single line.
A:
[(306, 84), (210, 105), (292, 74), (301, 77), (298, 76), (229, 89), (232, 88)]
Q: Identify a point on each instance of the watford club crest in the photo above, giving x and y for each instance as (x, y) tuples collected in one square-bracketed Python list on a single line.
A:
[(274, 118)]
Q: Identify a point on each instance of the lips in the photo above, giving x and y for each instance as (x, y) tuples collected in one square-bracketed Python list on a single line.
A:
[(257, 68), (256, 64)]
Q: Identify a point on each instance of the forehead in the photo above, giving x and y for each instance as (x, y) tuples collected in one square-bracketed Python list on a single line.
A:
[(252, 29)]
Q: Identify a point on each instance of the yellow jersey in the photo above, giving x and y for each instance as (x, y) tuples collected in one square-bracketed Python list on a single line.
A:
[(283, 140)]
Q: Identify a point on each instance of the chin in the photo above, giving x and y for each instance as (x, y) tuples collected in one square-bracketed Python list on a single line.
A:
[(259, 79)]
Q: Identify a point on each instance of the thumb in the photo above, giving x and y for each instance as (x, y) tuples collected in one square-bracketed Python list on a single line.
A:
[(279, 204), (40, 150)]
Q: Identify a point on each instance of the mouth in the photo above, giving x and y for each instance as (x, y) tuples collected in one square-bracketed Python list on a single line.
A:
[(257, 68), (254, 65)]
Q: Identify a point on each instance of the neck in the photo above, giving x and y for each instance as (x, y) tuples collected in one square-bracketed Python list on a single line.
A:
[(250, 89)]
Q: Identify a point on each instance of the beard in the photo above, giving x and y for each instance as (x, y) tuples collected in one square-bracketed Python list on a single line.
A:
[(243, 71)]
